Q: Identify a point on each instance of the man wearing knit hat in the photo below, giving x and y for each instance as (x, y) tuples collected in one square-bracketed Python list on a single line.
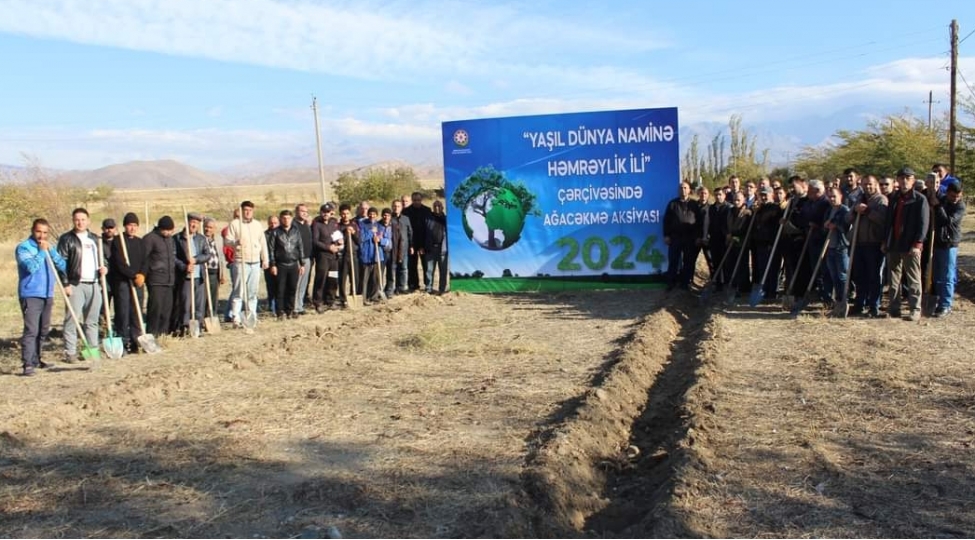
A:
[(123, 276), (160, 264)]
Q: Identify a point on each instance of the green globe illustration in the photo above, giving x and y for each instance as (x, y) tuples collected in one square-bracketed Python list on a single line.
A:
[(494, 209), (494, 219)]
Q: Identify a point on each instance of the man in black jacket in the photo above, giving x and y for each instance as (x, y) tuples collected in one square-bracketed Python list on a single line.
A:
[(948, 211), (124, 275), (418, 215), (327, 241), (79, 248), (682, 232), (286, 251), (398, 279), (160, 264), (716, 237), (907, 226), (435, 248), (191, 265), (303, 223)]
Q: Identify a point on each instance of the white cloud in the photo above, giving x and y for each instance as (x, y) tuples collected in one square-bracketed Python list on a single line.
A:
[(366, 40)]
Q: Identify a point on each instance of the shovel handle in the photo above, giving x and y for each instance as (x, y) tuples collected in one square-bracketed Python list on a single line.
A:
[(67, 302)]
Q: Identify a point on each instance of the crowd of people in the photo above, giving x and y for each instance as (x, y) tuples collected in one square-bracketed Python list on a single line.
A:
[(839, 243), (371, 253)]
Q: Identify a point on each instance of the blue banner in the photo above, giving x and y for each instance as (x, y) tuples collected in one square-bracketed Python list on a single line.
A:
[(559, 197)]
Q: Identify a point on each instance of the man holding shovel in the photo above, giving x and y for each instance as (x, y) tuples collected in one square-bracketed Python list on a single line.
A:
[(124, 276), (192, 255), (869, 261), (35, 289), (83, 267), (246, 236)]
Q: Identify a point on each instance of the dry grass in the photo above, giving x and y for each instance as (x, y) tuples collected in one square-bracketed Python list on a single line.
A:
[(409, 419)]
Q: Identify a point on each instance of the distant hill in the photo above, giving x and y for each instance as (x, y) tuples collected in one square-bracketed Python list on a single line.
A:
[(147, 174), (169, 173)]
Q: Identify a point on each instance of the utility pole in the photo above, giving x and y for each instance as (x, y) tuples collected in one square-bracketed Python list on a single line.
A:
[(954, 76), (318, 146), (930, 102)]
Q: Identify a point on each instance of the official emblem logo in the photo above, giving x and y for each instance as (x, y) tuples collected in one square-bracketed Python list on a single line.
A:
[(461, 138)]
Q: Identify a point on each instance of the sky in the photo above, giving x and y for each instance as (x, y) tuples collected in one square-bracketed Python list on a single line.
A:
[(227, 85)]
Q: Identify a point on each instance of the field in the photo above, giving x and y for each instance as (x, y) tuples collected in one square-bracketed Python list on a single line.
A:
[(618, 413)]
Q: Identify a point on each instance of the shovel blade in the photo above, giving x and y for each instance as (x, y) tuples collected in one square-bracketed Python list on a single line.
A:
[(842, 309), (91, 353), (757, 294), (799, 305), (211, 325), (194, 328), (114, 347), (148, 344)]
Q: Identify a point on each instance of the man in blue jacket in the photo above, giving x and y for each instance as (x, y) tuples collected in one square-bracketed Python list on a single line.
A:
[(373, 234), (948, 211), (36, 292)]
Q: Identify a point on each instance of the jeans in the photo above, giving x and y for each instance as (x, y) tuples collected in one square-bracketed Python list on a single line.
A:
[(868, 275), (402, 272), (86, 300), (837, 261), (302, 289), (37, 325), (252, 280), (234, 298), (945, 276), (436, 260)]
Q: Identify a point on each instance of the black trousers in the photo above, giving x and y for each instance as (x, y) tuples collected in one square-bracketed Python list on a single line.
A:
[(272, 291), (37, 325), (126, 318), (413, 266), (214, 290), (287, 283), (160, 309), (324, 288)]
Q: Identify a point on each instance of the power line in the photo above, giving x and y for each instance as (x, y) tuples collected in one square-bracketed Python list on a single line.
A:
[(966, 83), (962, 40)]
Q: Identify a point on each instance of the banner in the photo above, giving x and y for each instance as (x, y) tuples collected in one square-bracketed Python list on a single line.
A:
[(559, 201)]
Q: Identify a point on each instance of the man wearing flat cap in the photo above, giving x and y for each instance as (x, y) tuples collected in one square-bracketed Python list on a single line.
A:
[(327, 243), (192, 255), (123, 275), (907, 227), (109, 231)]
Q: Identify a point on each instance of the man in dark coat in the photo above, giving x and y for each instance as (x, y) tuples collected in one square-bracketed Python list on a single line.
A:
[(906, 229)]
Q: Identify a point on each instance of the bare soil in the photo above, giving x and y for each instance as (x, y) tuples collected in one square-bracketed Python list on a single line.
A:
[(602, 414)]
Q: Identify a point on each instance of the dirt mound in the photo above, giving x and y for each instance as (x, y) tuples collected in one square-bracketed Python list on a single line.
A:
[(569, 473)]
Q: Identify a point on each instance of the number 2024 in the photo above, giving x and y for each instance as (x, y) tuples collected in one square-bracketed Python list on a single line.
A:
[(595, 253)]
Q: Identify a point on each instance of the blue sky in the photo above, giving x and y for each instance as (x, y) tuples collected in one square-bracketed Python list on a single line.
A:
[(224, 84)]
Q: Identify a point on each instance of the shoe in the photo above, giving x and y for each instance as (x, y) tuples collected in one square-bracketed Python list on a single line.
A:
[(279, 316), (915, 315), (894, 313), (28, 371), (874, 314), (44, 365), (319, 309), (70, 358), (941, 312)]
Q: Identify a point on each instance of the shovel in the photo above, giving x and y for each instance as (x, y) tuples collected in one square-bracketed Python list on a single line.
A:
[(194, 325), (380, 278), (758, 289), (112, 344), (709, 287), (145, 340), (88, 352), (789, 299), (211, 323), (804, 301), (843, 305), (732, 289), (351, 261)]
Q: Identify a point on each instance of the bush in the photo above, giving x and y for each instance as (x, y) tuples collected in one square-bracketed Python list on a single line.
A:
[(376, 184)]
